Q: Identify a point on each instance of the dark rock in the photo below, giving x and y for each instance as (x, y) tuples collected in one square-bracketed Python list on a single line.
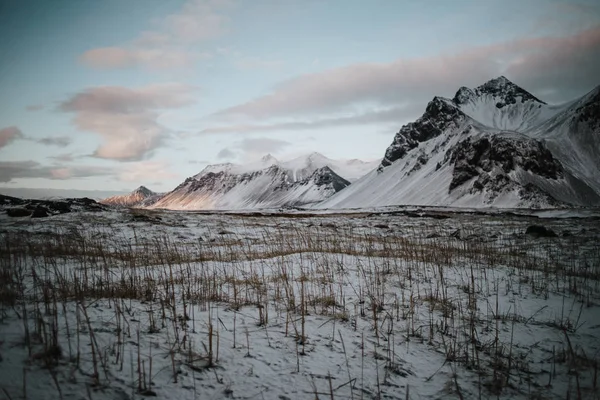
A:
[(39, 212), (540, 231), (18, 212), (15, 201), (480, 156), (438, 117), (326, 176)]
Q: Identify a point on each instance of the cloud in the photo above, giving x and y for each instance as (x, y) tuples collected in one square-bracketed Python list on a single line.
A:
[(226, 154), (171, 44), (252, 148), (391, 114), (145, 171), (12, 133), (10, 170), (67, 157), (568, 65), (34, 107), (262, 145), (142, 171), (126, 118), (156, 58), (9, 135), (60, 141)]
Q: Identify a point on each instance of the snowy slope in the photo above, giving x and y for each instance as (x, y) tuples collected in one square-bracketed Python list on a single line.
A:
[(495, 145), (140, 197)]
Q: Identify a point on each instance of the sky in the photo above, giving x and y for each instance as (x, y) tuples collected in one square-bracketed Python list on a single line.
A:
[(113, 94)]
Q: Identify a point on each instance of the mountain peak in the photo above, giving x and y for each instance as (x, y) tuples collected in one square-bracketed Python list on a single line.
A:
[(268, 158), (506, 90), (499, 81), (315, 155), (143, 190)]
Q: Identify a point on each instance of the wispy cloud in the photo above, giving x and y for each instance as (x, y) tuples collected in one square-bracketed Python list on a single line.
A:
[(126, 118), (390, 114), (172, 44)]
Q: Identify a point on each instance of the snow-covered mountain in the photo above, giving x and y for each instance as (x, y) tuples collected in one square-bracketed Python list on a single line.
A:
[(300, 167), (265, 183), (495, 145), (140, 197)]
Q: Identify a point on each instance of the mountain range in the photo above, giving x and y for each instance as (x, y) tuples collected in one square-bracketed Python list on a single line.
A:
[(266, 183), (495, 145)]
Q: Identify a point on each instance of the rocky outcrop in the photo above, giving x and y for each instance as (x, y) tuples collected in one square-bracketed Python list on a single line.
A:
[(439, 117), (46, 208)]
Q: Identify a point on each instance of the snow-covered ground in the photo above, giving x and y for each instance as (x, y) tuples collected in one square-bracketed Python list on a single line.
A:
[(397, 303)]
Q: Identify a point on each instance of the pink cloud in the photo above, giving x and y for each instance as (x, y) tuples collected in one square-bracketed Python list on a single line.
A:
[(156, 58), (9, 135), (535, 63), (126, 118), (170, 45)]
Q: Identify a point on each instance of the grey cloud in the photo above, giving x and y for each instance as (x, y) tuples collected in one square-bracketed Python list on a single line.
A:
[(10, 170), (68, 157), (60, 141), (225, 154)]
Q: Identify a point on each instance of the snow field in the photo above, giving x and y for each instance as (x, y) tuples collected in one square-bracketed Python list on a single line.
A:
[(291, 306)]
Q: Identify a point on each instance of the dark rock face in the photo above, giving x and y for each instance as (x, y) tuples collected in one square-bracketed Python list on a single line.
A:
[(589, 113), (479, 156), (439, 116), (325, 176), (540, 231), (18, 212)]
